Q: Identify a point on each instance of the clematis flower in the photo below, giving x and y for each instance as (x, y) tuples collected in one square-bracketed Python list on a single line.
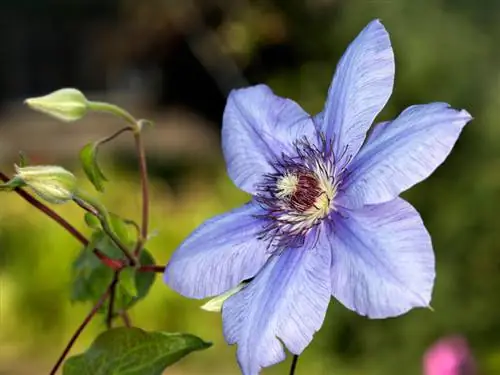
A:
[(449, 356), (325, 218)]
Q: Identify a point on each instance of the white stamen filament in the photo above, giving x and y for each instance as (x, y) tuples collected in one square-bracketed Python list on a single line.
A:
[(287, 185)]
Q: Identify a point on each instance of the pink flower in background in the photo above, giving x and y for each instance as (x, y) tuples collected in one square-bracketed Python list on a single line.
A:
[(449, 356)]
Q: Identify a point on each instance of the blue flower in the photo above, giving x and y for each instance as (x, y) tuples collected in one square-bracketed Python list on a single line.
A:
[(325, 219)]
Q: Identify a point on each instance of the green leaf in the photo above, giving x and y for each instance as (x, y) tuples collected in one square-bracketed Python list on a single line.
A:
[(132, 351), (23, 159), (91, 221), (91, 277), (127, 281), (88, 158), (121, 229)]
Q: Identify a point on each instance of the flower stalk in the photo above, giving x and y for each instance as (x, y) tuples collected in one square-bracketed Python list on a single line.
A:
[(85, 322), (96, 208)]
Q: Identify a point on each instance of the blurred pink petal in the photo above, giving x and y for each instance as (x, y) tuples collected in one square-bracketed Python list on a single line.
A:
[(449, 356)]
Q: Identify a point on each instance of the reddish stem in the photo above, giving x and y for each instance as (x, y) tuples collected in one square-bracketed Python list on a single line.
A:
[(82, 326), (143, 170), (151, 268), (47, 211), (126, 319), (112, 263)]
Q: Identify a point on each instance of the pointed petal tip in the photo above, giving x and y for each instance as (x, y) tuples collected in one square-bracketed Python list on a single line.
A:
[(466, 115), (462, 113), (376, 24)]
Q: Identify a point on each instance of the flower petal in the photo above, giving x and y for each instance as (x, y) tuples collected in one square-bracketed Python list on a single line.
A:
[(286, 303), (402, 153), (257, 127), (360, 89), (220, 254), (382, 262)]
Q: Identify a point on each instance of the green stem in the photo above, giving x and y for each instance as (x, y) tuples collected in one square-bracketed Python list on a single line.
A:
[(84, 200), (114, 110)]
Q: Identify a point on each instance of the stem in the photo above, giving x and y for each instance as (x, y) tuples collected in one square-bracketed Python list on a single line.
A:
[(114, 110), (112, 293), (112, 263), (48, 211), (294, 364), (126, 319), (84, 200), (82, 326), (115, 135), (151, 268), (145, 193)]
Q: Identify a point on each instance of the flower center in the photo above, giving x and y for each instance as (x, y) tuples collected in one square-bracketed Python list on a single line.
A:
[(300, 190), (298, 196)]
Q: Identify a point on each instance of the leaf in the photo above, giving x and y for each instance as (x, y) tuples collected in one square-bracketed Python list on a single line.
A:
[(132, 351), (91, 221), (88, 158), (23, 159), (121, 229), (91, 277), (127, 282), (119, 226)]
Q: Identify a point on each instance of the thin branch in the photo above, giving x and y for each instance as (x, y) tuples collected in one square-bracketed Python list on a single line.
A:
[(151, 268), (92, 206), (111, 305), (82, 326), (126, 319), (143, 169), (113, 263), (294, 364), (114, 135), (48, 211)]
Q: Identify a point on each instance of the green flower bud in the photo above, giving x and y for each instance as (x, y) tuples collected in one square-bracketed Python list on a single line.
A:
[(65, 104), (52, 183)]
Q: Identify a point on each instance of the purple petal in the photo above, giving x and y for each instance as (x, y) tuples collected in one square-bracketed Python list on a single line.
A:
[(286, 303), (220, 254), (382, 262), (360, 89), (402, 153), (257, 127)]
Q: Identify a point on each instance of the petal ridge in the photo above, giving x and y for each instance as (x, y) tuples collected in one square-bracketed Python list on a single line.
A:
[(383, 262), (361, 87), (217, 256), (402, 153), (284, 305)]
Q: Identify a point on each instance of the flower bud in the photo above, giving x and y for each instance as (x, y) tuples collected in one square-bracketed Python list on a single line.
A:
[(52, 183), (65, 104)]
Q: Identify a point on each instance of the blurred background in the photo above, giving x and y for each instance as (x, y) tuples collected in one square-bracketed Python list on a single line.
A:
[(174, 62)]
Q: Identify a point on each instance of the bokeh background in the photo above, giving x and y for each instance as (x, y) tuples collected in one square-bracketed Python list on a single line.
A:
[(174, 62)]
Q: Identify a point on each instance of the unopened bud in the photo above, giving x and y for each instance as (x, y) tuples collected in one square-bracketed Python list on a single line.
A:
[(65, 104), (52, 183)]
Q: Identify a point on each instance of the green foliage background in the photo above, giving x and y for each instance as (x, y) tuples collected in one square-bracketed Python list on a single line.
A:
[(445, 51)]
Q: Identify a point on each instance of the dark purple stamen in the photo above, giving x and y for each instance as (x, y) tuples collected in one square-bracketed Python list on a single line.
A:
[(306, 193), (286, 221)]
